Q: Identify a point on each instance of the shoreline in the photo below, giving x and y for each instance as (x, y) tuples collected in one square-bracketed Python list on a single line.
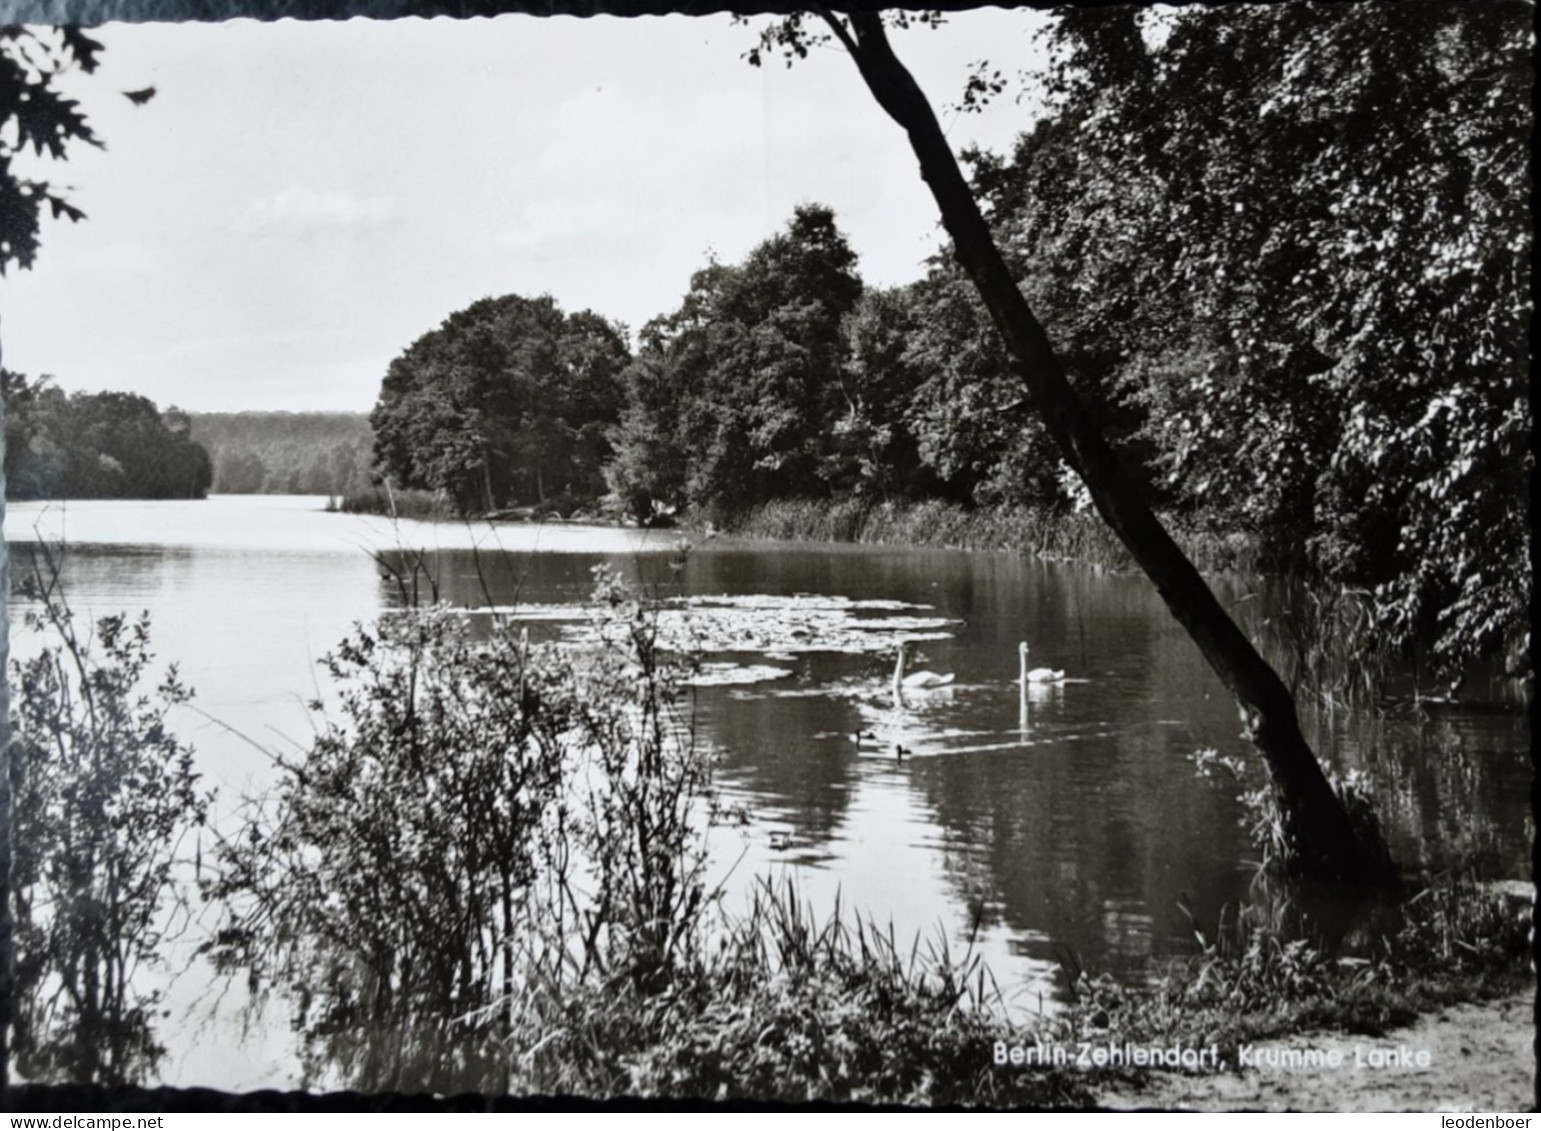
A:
[(1474, 1056)]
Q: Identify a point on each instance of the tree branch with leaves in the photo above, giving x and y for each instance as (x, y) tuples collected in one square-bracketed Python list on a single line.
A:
[(1326, 843), (37, 122), (35, 115)]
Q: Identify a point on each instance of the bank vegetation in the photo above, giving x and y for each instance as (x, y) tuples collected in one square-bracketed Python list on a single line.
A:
[(1294, 299), (488, 873)]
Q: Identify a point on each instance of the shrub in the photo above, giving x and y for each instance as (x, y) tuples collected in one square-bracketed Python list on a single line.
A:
[(785, 1007), (489, 829), (103, 797)]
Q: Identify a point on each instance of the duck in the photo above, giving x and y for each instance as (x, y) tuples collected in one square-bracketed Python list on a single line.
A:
[(916, 681), (1036, 675)]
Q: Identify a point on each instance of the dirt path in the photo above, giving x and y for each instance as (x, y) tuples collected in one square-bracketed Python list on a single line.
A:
[(1479, 1058)]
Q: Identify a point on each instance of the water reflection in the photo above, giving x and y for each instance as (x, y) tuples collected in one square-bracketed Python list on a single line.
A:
[(102, 799), (1441, 783), (1066, 819)]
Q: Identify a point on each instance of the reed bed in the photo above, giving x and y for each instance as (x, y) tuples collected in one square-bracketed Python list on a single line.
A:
[(1326, 639), (394, 502), (787, 1006), (1079, 536), (1285, 964)]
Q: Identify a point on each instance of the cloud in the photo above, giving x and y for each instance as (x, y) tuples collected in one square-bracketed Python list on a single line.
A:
[(299, 210)]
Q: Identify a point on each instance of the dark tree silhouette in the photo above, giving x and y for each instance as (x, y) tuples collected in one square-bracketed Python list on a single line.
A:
[(33, 114), (732, 398), (507, 402), (97, 446), (1326, 843)]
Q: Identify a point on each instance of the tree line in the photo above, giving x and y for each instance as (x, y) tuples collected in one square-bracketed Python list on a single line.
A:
[(105, 445), (114, 445), (286, 453), (1282, 253)]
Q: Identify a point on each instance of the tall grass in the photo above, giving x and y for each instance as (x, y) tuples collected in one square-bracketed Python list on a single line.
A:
[(787, 1006), (930, 523), (485, 826), (1324, 640), (1079, 536), (1277, 967), (395, 503), (488, 874)]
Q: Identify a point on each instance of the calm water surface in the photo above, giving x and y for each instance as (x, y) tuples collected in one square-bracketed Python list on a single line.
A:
[(1069, 824)]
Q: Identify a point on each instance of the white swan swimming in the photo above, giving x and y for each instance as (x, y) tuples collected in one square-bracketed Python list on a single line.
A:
[(1036, 675), (916, 681)]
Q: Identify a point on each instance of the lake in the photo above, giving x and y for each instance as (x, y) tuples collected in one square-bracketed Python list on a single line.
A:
[(1069, 824)]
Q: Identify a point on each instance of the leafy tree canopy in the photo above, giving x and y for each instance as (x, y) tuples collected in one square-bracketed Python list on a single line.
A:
[(36, 118), (507, 402), (1291, 243), (731, 397), (97, 446)]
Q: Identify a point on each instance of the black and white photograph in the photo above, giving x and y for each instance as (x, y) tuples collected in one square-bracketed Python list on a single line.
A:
[(973, 558)]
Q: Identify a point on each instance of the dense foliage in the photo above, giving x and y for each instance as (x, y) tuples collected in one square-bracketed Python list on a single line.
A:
[(1281, 251), (782, 377), (104, 798), (732, 397), (97, 446), (286, 453), (488, 828), (35, 116), (1289, 244), (508, 402)]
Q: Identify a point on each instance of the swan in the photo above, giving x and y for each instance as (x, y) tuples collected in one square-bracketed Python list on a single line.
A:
[(916, 681), (1037, 675)]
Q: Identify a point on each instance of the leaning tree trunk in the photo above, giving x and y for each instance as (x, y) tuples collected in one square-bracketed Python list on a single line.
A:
[(7, 924), (1325, 843)]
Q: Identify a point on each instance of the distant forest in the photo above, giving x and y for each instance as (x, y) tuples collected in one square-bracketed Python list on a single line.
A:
[(113, 445), (286, 453), (107, 445), (1285, 269)]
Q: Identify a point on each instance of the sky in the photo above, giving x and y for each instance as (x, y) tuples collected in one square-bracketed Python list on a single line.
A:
[(301, 201)]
